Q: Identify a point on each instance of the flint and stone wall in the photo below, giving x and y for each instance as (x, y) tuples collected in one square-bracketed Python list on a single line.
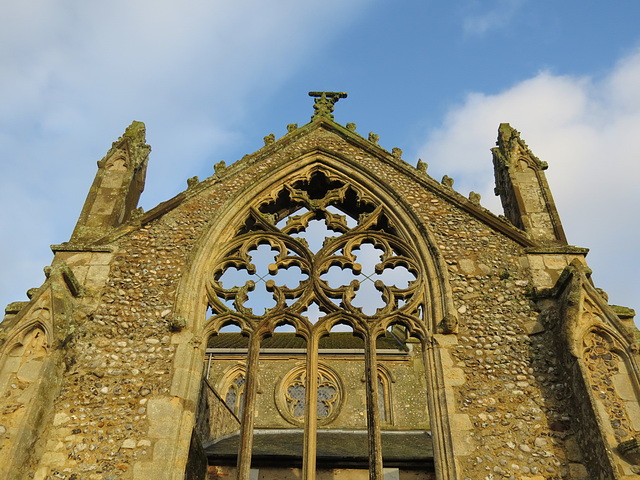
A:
[(124, 400)]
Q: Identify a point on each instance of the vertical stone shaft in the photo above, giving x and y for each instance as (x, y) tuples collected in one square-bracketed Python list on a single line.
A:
[(373, 412), (248, 413), (523, 189), (311, 411)]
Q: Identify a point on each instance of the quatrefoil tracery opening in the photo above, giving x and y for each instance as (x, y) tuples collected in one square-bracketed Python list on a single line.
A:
[(306, 252), (292, 392)]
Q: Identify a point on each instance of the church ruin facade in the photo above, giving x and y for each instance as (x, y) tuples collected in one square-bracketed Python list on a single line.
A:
[(319, 309)]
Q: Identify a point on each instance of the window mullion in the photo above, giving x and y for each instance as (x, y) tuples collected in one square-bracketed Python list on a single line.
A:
[(373, 414), (310, 412), (248, 413)]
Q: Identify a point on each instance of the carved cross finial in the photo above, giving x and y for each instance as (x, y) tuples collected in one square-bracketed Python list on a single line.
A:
[(324, 103)]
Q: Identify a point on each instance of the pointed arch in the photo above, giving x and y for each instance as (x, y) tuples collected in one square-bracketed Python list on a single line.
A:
[(34, 325), (26, 372), (604, 375), (261, 205), (225, 223)]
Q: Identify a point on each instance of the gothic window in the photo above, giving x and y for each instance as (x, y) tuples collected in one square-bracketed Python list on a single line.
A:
[(382, 400), (291, 395), (234, 397), (384, 397), (314, 253)]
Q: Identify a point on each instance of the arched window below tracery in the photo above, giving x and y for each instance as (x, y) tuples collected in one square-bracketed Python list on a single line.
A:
[(234, 395)]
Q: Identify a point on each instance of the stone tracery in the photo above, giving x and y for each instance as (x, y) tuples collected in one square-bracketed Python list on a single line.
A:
[(304, 274), (331, 276)]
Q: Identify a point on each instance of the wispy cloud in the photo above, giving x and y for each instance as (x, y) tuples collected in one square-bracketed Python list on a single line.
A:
[(585, 128), (496, 16), (74, 75)]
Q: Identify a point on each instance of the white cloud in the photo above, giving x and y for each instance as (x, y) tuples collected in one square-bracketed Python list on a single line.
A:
[(586, 129)]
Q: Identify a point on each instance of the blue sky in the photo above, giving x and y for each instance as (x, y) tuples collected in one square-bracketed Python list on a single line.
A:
[(211, 78)]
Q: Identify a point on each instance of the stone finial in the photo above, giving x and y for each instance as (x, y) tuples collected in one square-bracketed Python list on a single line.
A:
[(447, 181), (397, 152), (137, 213), (116, 188), (192, 182), (269, 139), (422, 166), (137, 132), (269, 217), (14, 308), (324, 103), (523, 189), (515, 148), (176, 324), (292, 127), (374, 138), (474, 198), (351, 127), (219, 168)]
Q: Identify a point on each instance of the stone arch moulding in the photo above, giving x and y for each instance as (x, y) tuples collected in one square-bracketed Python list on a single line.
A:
[(191, 301), (225, 222), (609, 373), (39, 316), (26, 357), (605, 378)]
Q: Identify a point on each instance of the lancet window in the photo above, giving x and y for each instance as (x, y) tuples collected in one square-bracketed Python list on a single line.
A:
[(234, 397), (384, 396), (317, 252)]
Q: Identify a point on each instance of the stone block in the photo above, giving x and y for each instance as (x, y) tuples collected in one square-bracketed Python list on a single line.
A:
[(180, 382), (533, 326), (163, 417), (97, 275), (578, 471), (460, 427), (41, 473), (148, 470), (94, 220), (80, 273), (60, 419), (446, 340), (468, 266), (54, 459), (556, 262), (572, 450), (102, 206), (624, 388), (633, 410), (30, 371), (75, 259), (536, 262), (112, 180), (455, 376), (542, 279), (101, 258)]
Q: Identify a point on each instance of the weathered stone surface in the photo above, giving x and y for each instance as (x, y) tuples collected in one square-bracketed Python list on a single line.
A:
[(513, 390)]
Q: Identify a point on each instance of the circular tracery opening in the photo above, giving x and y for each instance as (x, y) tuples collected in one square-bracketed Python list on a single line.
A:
[(291, 395)]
